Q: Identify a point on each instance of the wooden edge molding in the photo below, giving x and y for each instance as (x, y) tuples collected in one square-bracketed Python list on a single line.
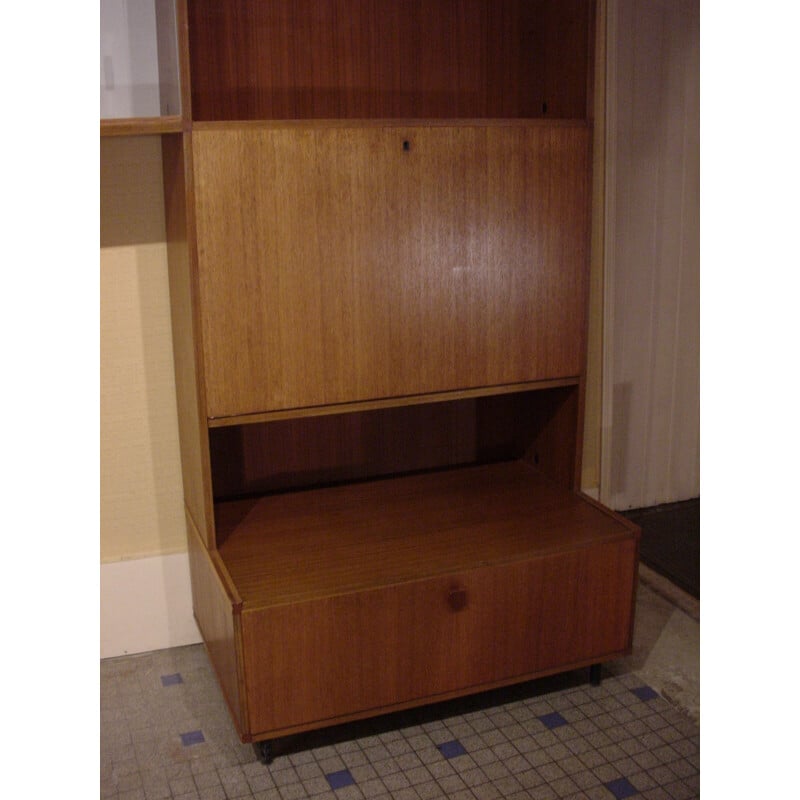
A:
[(140, 126), (454, 122), (390, 402), (184, 66), (624, 521)]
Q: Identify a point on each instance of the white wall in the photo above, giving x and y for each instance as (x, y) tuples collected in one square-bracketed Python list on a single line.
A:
[(145, 605), (651, 417)]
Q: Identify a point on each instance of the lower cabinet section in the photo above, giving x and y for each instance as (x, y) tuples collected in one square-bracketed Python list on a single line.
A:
[(327, 660), (346, 602)]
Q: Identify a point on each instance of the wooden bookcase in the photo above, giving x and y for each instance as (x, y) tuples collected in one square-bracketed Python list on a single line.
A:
[(378, 220)]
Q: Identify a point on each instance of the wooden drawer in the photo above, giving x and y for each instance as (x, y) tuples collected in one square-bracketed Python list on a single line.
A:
[(337, 658)]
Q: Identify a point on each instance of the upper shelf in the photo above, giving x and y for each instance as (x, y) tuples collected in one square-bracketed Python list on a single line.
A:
[(368, 59), (166, 63)]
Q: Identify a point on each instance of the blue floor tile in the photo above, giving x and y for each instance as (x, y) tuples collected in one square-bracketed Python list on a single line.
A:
[(621, 788), (192, 737), (554, 720), (452, 749), (645, 693), (340, 779)]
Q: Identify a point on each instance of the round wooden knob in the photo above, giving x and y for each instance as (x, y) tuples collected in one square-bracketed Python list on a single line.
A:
[(457, 598)]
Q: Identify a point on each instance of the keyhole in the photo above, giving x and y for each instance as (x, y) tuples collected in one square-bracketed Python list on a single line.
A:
[(406, 145)]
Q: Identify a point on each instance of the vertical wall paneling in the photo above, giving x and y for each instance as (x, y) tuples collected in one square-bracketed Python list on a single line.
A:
[(651, 422), (592, 415)]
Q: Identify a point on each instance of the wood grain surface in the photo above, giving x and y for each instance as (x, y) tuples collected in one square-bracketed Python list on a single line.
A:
[(298, 546), (312, 662), (314, 450), (216, 608), (352, 263), (187, 355), (307, 59), (140, 126)]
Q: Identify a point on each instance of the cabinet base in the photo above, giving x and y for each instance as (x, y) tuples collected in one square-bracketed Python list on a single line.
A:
[(266, 749)]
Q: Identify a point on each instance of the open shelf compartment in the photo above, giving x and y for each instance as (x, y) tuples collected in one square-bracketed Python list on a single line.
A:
[(385, 558), (312, 507)]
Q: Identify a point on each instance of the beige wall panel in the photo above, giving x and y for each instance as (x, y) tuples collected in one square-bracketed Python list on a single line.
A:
[(141, 492), (131, 193), (141, 502), (652, 426)]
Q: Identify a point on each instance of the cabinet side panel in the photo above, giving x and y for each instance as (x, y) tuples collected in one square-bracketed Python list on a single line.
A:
[(219, 623), (588, 605), (339, 264), (554, 448), (188, 386)]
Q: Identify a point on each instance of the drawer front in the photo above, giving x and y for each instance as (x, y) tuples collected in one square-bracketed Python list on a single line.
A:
[(362, 653)]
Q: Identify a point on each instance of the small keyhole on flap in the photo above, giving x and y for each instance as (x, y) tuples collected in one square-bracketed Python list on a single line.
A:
[(535, 458), (544, 108), (406, 145)]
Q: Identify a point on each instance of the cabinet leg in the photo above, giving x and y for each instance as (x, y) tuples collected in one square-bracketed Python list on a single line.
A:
[(594, 674), (264, 751)]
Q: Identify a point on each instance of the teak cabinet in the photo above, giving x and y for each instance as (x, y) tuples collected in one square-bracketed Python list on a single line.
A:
[(378, 219)]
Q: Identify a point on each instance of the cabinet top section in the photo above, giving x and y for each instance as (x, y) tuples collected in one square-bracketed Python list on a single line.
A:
[(373, 59)]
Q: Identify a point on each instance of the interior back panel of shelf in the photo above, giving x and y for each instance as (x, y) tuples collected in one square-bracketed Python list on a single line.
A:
[(376, 59)]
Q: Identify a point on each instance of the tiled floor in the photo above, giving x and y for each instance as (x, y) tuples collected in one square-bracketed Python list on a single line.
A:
[(165, 733)]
